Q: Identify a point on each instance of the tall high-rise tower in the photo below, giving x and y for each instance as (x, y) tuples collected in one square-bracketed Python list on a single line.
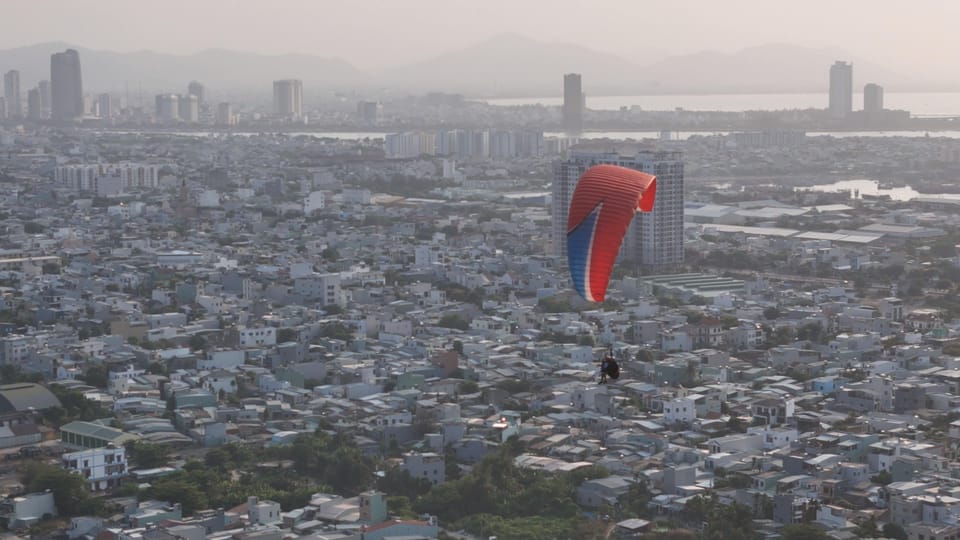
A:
[(288, 98), (841, 89), (655, 239), (44, 87), (11, 91), (196, 89), (66, 86), (872, 98), (33, 104), (573, 103)]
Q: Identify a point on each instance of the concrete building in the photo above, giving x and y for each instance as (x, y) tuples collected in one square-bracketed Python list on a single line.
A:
[(188, 107), (288, 98), (11, 91), (324, 288), (841, 89), (102, 468), (872, 98), (44, 87), (167, 108), (224, 116), (132, 176), (573, 103), (25, 510), (428, 466), (655, 239), (368, 113), (196, 89), (263, 512), (104, 106), (316, 200), (66, 86)]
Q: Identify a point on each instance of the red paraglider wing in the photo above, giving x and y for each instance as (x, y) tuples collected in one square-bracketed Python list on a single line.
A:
[(601, 209)]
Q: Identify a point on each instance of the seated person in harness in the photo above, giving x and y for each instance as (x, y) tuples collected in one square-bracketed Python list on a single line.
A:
[(609, 367)]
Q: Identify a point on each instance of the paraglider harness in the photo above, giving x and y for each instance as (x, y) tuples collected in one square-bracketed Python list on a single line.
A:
[(609, 367)]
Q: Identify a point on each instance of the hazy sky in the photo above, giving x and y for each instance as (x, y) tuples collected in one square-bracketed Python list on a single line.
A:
[(377, 33)]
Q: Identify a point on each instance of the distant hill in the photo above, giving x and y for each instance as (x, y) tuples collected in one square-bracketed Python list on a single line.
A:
[(156, 72), (766, 68), (506, 65), (509, 64)]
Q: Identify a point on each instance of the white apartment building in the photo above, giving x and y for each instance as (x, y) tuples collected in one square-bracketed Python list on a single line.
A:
[(256, 337), (428, 466), (127, 176), (103, 468)]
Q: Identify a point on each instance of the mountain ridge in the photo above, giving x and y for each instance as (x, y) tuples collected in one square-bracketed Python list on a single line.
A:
[(505, 65)]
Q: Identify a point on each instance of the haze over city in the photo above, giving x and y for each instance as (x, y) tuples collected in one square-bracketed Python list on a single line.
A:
[(495, 270), (410, 44)]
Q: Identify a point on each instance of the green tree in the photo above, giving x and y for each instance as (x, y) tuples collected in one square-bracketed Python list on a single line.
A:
[(96, 375), (69, 490), (453, 321), (179, 490), (554, 304), (286, 334), (883, 478), (32, 227), (146, 455), (892, 530), (330, 254), (197, 342), (468, 387), (803, 531)]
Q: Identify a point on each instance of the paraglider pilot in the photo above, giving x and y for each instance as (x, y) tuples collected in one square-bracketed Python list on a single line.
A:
[(609, 367)]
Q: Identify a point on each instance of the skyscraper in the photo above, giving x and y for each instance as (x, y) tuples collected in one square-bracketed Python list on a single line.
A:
[(872, 98), (655, 239), (104, 106), (573, 103), (66, 86), (11, 91), (288, 98), (841, 89), (33, 104), (189, 108), (167, 108), (224, 116), (368, 112), (196, 89), (44, 87)]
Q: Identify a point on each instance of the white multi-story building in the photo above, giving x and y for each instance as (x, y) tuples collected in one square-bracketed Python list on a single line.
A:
[(655, 239), (316, 200), (680, 410), (263, 512), (103, 468), (87, 177), (324, 288), (428, 466), (256, 337)]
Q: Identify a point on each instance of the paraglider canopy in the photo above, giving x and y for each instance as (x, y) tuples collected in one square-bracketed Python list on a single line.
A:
[(601, 209)]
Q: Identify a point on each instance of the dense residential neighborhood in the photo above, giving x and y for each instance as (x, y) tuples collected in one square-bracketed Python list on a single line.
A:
[(257, 336)]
